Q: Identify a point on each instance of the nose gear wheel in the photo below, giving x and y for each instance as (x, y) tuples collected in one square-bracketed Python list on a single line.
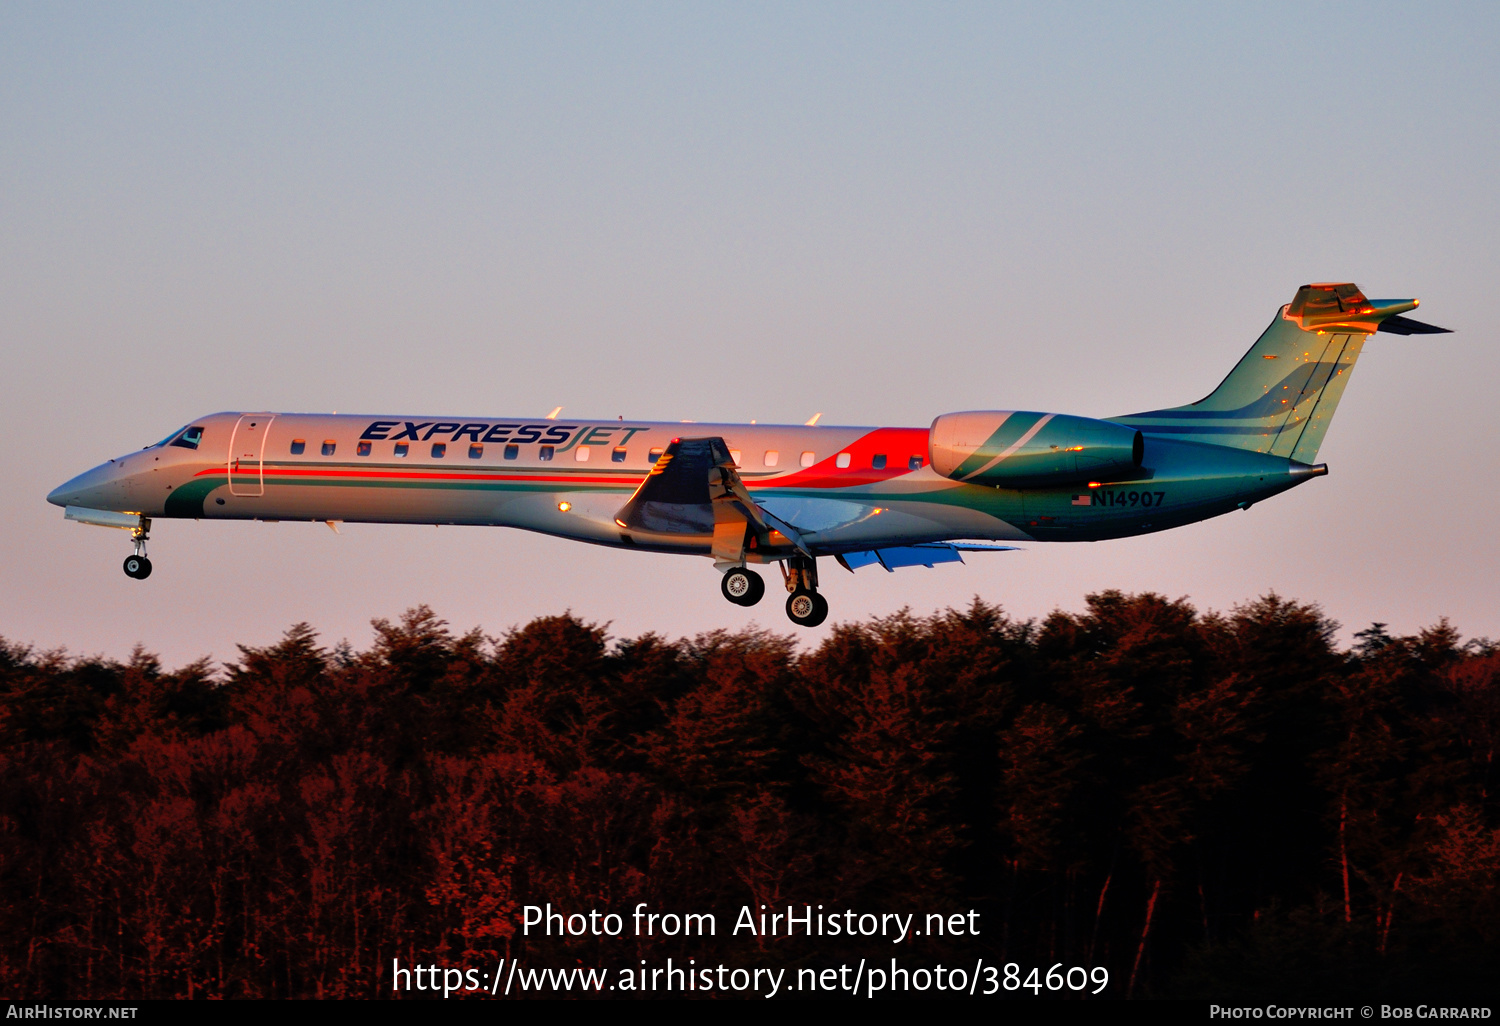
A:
[(137, 566)]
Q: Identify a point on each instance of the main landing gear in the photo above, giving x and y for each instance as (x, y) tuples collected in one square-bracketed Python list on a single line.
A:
[(138, 566), (806, 608), (804, 605), (742, 586)]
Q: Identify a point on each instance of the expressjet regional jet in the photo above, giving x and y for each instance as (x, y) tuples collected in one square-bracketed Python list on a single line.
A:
[(751, 494)]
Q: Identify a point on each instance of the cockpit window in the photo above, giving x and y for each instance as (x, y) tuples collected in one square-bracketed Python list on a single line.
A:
[(190, 438)]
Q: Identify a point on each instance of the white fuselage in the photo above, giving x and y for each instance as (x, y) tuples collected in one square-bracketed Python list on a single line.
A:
[(844, 489)]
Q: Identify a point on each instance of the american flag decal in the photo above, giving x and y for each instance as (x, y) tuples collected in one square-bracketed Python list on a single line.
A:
[(1083, 500)]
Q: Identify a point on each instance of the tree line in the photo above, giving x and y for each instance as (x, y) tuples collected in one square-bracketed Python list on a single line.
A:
[(1217, 805)]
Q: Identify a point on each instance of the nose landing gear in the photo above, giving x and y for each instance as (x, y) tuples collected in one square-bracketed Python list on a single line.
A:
[(138, 566)]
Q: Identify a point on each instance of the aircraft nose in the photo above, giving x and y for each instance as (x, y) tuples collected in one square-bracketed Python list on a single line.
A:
[(95, 489)]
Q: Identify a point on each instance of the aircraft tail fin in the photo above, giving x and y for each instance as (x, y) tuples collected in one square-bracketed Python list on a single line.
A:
[(1282, 394)]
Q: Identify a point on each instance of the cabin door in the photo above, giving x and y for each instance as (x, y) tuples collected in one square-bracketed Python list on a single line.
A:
[(247, 454)]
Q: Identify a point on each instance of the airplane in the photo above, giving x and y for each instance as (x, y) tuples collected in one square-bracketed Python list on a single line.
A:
[(751, 494)]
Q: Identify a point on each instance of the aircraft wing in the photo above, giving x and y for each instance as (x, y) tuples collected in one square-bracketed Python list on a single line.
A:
[(695, 488)]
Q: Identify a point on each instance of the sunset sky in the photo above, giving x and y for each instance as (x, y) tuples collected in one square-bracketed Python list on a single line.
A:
[(723, 212)]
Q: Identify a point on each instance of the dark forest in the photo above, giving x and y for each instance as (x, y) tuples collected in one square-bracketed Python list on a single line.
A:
[(1221, 806)]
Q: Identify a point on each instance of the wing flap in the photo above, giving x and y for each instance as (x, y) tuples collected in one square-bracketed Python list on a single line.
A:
[(927, 554)]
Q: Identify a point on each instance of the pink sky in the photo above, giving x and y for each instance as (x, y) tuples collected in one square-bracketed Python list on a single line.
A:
[(879, 213)]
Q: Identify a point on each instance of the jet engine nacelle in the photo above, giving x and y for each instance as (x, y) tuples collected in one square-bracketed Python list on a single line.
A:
[(1029, 450)]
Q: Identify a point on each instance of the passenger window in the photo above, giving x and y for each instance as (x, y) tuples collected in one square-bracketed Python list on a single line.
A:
[(877, 462), (842, 461), (512, 451), (915, 463), (328, 446), (618, 455), (808, 459), (772, 457), (656, 455), (439, 450), (400, 448), (545, 453), (299, 446), (190, 438), (734, 454), (363, 449), (476, 452), (582, 454)]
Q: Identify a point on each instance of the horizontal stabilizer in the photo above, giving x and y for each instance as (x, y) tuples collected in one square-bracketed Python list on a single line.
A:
[(922, 554), (1282, 394), (1406, 326)]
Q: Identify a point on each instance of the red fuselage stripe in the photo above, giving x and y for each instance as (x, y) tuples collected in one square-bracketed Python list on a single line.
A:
[(898, 444), (410, 475)]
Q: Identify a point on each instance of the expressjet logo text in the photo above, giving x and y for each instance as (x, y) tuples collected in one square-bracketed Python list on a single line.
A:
[(476, 431)]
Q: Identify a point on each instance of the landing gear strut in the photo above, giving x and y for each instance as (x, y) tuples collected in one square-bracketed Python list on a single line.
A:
[(742, 586), (138, 566), (804, 606)]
